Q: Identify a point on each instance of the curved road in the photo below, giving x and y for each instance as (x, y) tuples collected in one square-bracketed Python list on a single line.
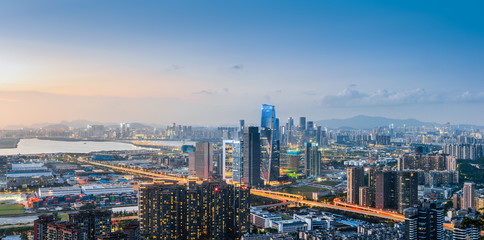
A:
[(277, 195)]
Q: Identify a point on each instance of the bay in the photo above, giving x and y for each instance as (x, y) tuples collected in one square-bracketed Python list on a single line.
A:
[(37, 146)]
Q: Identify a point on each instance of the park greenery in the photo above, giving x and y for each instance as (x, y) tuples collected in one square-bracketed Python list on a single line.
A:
[(471, 171), (11, 209)]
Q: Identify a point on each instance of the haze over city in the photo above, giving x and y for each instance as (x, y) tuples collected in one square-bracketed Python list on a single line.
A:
[(212, 63)]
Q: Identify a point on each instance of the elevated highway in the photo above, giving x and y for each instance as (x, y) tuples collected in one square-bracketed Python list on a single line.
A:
[(285, 197)]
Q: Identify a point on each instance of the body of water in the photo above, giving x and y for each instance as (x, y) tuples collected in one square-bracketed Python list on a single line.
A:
[(171, 143), (18, 220), (36, 146)]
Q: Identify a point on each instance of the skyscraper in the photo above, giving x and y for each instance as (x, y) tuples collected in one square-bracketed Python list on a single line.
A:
[(468, 195), (386, 190), (269, 143), (206, 210), (241, 129), (424, 221), (407, 186), (40, 226), (312, 161), (202, 160), (251, 162), (371, 183), (318, 136), (310, 125), (293, 158), (232, 160), (356, 179), (94, 222), (365, 199), (290, 123), (302, 123)]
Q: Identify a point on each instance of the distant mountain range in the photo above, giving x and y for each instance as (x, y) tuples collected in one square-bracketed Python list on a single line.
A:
[(80, 124), (357, 122), (368, 122)]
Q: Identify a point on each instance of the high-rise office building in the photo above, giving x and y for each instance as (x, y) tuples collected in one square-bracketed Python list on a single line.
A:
[(289, 133), (407, 187), (201, 161), (293, 158), (241, 128), (356, 179), (277, 130), (206, 210), (312, 161), (424, 221), (302, 123), (290, 123), (269, 144), (318, 136), (310, 125), (251, 160), (386, 190), (469, 193), (232, 160)]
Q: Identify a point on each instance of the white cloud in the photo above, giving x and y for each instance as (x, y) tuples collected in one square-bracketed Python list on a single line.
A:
[(351, 97)]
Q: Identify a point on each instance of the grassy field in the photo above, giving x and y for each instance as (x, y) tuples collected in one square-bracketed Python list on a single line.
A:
[(9, 209), (64, 217), (328, 183), (306, 191)]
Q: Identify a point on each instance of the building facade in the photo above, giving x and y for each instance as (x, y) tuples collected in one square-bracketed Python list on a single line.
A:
[(424, 221), (469, 193), (312, 159), (232, 160), (356, 179), (270, 148), (251, 157), (204, 210), (407, 187)]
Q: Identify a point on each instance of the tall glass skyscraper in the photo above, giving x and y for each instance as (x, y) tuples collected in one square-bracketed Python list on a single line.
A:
[(251, 160), (269, 143), (232, 160)]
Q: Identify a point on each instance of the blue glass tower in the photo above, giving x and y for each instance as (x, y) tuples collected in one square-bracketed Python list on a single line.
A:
[(269, 144)]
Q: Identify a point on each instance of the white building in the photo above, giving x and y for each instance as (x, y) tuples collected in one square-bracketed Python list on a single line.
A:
[(261, 218), (290, 226), (106, 189), (59, 191), (22, 167), (315, 222)]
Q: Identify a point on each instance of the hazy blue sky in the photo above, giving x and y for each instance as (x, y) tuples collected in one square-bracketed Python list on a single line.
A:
[(215, 62)]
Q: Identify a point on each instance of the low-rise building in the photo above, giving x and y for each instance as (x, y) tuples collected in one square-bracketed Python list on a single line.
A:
[(261, 218), (289, 226), (106, 189), (58, 191), (315, 221)]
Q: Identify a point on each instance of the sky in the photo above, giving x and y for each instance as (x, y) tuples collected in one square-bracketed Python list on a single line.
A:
[(215, 62)]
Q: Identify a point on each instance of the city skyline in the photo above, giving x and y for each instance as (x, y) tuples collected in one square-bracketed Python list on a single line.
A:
[(215, 63)]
